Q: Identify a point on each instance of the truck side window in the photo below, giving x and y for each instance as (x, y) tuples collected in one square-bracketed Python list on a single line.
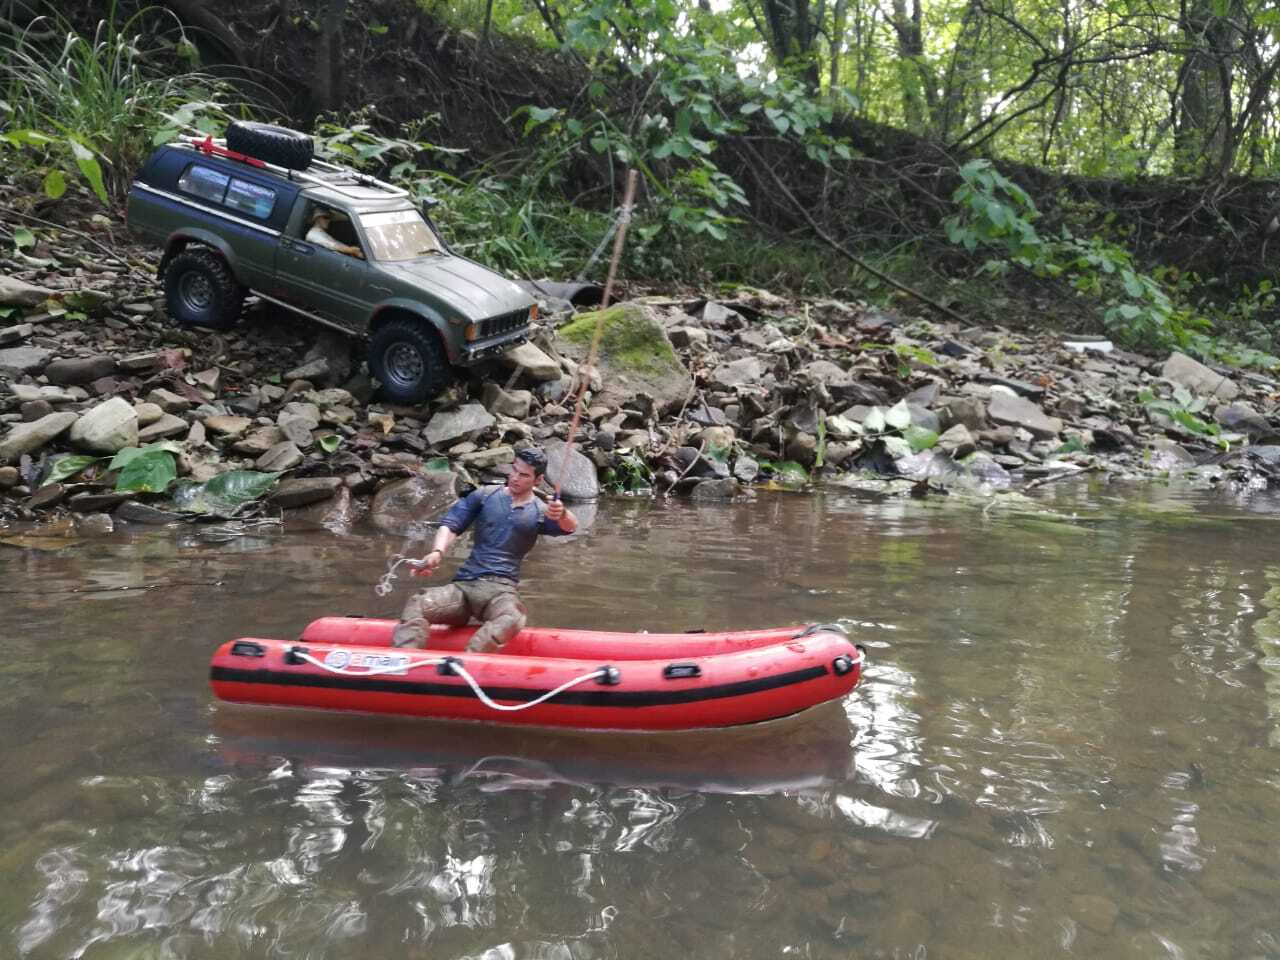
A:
[(203, 182), (250, 198)]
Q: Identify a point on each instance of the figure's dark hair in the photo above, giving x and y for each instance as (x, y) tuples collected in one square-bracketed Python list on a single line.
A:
[(534, 458)]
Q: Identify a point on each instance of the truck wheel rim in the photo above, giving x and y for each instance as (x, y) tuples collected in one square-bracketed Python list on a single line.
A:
[(404, 364), (196, 291)]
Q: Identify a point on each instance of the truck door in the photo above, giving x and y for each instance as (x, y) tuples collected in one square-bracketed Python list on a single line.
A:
[(323, 282)]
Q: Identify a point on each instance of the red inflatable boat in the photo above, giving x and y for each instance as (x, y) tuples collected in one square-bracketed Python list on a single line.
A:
[(586, 679)]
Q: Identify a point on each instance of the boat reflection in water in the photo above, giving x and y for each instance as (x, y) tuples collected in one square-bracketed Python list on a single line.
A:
[(808, 752)]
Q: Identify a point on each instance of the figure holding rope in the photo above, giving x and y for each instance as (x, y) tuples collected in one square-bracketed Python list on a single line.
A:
[(507, 521)]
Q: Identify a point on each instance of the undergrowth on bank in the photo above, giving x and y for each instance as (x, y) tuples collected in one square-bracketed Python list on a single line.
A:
[(88, 109)]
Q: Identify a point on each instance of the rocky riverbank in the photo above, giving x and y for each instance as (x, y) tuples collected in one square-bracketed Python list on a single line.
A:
[(109, 412)]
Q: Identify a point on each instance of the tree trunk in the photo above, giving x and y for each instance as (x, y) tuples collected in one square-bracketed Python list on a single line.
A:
[(330, 92), (1202, 142)]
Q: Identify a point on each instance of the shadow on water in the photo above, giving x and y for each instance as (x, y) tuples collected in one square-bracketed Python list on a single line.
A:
[(807, 753)]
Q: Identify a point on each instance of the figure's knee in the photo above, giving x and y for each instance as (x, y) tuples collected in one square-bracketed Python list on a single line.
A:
[(410, 633), (497, 631)]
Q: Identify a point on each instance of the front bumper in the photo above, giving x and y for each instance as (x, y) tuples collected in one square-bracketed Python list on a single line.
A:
[(491, 346)]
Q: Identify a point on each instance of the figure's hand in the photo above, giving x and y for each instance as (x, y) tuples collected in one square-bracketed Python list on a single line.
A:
[(427, 565), (555, 510)]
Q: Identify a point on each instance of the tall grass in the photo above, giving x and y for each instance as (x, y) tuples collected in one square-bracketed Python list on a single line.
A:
[(95, 104)]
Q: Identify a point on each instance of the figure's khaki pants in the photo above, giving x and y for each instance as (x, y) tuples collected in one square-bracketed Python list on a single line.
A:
[(491, 600)]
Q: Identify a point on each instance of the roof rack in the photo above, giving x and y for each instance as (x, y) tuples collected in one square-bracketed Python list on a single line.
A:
[(208, 145)]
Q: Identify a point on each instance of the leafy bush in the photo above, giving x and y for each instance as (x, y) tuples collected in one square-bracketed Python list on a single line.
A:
[(88, 106)]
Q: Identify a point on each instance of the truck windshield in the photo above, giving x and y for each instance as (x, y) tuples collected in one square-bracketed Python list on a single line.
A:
[(399, 235)]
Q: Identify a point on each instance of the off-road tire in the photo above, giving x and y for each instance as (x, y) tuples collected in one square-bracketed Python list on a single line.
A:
[(201, 291), (407, 357), (278, 145)]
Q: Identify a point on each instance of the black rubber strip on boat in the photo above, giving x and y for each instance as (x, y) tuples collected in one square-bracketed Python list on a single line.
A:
[(577, 698)]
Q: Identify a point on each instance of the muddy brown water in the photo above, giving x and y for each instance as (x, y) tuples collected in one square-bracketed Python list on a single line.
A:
[(1067, 744)]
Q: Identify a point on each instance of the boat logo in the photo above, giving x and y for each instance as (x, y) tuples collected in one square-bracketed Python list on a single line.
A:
[(374, 662)]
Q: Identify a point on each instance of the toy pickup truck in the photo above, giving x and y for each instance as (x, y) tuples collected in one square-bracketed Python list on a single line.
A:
[(257, 214)]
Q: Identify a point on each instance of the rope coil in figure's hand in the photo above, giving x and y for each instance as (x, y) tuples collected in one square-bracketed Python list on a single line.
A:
[(383, 586)]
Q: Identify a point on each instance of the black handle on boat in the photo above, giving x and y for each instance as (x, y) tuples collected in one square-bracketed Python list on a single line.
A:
[(681, 671)]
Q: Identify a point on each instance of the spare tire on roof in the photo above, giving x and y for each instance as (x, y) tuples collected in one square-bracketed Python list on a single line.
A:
[(278, 145)]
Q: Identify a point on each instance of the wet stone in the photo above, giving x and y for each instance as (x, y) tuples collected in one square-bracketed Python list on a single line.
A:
[(50, 495), (167, 426), (92, 502), (283, 456), (16, 361), (227, 426), (9, 477), (35, 409), (133, 512), (79, 370), (576, 475), (28, 437), (299, 492), (1198, 378)]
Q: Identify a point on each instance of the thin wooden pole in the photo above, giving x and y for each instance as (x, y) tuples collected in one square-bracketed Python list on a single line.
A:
[(584, 369)]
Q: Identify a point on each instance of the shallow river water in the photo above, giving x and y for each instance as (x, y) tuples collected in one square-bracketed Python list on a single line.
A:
[(1066, 744)]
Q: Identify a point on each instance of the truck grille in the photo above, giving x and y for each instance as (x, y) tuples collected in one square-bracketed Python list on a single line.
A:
[(504, 323)]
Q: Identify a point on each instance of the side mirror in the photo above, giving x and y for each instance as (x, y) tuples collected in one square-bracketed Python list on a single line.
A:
[(428, 203)]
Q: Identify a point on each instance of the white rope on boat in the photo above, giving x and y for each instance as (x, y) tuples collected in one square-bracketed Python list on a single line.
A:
[(461, 671), (457, 667)]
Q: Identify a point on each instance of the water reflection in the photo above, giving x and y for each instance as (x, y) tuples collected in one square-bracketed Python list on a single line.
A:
[(1065, 745)]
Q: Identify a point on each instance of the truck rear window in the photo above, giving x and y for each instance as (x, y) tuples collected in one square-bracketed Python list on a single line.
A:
[(239, 195), (203, 182), (250, 198)]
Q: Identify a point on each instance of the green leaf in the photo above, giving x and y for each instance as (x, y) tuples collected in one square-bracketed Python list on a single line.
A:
[(89, 166), (226, 494), (55, 184), (790, 473), (919, 438), (330, 442), (436, 463), (126, 456), (147, 471), (23, 238), (68, 466)]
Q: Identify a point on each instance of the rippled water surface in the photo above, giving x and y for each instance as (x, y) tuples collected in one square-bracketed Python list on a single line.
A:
[(1067, 744)]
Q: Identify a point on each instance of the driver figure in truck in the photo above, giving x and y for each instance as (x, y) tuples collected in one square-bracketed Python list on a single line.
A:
[(319, 234)]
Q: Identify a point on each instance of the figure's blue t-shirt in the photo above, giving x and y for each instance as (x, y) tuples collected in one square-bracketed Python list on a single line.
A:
[(503, 533)]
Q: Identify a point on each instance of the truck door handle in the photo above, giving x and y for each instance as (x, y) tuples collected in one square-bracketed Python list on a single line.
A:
[(297, 247)]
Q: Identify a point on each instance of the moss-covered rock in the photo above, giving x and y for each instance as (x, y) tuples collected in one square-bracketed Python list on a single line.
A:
[(635, 355)]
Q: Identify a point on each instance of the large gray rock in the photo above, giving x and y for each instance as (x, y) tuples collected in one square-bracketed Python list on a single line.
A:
[(19, 360), (19, 293), (469, 420), (576, 476), (635, 356), (407, 507), (534, 364), (1019, 412), (107, 428), (26, 437), (1198, 378)]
